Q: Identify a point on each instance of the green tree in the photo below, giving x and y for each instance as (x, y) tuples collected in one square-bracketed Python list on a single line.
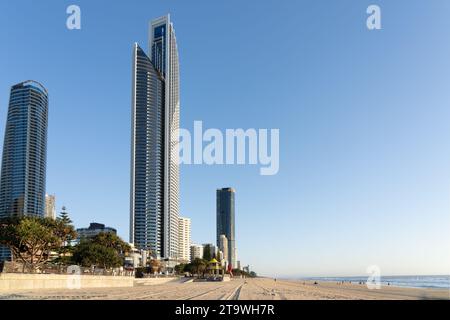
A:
[(88, 254), (199, 266), (106, 250), (66, 232), (30, 239), (112, 241), (180, 269), (64, 216), (207, 253), (189, 268)]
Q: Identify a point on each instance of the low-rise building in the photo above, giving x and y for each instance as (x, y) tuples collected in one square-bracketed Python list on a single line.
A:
[(196, 252), (93, 230), (137, 258)]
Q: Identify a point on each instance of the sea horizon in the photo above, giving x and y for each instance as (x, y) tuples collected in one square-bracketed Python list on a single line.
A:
[(407, 281)]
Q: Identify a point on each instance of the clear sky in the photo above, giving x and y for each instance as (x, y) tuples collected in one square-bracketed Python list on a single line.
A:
[(363, 116)]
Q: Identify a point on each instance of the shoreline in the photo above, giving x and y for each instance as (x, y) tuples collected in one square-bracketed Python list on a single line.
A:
[(387, 281), (383, 285)]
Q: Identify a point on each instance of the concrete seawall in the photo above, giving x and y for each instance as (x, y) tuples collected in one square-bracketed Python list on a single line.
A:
[(17, 281)]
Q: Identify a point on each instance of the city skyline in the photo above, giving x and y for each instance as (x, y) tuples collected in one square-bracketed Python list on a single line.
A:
[(364, 156)]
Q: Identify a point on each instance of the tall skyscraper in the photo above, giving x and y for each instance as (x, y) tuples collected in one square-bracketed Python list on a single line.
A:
[(226, 221), (184, 239), (23, 173), (147, 159), (22, 180), (50, 206), (154, 209)]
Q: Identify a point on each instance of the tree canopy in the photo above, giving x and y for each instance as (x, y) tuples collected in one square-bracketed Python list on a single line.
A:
[(88, 254), (64, 216), (207, 253), (30, 239), (106, 250)]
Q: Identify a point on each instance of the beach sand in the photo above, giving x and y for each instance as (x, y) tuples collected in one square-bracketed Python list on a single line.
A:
[(238, 289)]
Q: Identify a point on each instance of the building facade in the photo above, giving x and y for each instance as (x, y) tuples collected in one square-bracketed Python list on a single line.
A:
[(213, 250), (147, 172), (164, 53), (50, 206), (184, 240), (223, 247), (226, 221), (23, 170), (137, 258), (93, 230), (196, 252), (22, 180), (154, 212)]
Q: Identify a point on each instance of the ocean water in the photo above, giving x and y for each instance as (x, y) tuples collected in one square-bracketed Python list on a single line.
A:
[(435, 282)]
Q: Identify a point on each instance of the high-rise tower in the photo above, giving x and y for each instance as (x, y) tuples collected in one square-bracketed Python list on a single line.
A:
[(155, 123), (22, 180), (184, 239), (23, 171), (164, 53), (226, 221)]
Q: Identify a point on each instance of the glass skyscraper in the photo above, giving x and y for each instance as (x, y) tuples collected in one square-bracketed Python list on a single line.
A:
[(226, 221), (23, 172), (154, 211)]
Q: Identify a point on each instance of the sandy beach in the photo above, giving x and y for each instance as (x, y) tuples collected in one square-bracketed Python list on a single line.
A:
[(238, 289)]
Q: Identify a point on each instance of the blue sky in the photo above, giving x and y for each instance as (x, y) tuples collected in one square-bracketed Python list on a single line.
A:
[(363, 116)]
